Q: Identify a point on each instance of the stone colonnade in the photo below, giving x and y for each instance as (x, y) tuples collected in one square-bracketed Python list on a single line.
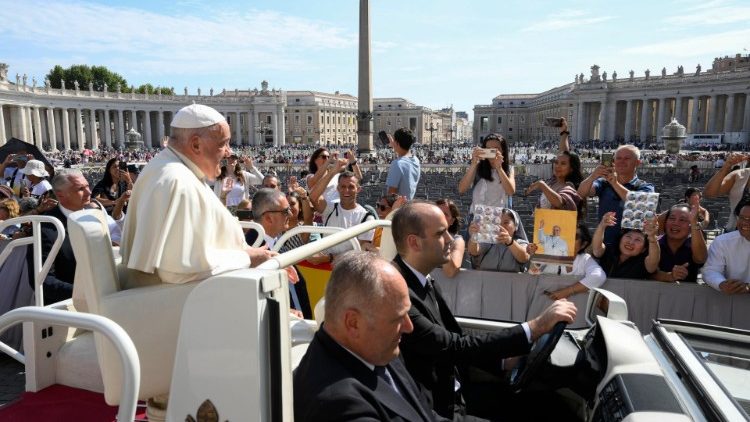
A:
[(643, 118), (54, 128)]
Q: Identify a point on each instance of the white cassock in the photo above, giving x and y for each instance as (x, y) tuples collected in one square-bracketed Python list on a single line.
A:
[(553, 245), (176, 228)]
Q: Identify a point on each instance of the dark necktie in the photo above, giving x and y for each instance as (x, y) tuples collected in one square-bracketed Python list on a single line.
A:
[(382, 372), (432, 295)]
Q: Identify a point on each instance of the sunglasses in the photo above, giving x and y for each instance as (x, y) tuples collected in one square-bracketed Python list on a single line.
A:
[(286, 210)]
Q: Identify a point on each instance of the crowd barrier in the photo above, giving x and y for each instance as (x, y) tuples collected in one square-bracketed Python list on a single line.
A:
[(520, 297)]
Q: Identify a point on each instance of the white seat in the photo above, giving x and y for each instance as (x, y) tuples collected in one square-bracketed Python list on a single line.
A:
[(150, 315)]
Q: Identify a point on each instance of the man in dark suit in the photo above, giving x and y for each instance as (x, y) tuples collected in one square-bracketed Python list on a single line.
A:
[(351, 370), (437, 353), (73, 194)]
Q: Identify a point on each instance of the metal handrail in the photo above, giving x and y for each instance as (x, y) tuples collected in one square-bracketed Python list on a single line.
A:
[(298, 254), (257, 227), (311, 229), (131, 367), (40, 269)]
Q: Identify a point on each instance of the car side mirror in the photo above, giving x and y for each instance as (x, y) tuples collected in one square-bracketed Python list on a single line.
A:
[(607, 304)]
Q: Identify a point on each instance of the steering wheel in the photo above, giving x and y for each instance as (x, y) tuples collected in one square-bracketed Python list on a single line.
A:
[(530, 365)]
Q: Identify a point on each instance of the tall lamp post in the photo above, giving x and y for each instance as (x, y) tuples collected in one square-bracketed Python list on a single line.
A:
[(431, 129)]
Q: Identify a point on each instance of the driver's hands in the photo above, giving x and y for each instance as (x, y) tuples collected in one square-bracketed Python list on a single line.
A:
[(560, 310)]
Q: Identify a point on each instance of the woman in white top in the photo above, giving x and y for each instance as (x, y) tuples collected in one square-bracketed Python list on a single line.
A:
[(492, 179), (584, 265), (231, 188), (732, 183)]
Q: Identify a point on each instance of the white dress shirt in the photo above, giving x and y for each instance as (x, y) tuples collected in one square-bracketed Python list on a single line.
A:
[(728, 259)]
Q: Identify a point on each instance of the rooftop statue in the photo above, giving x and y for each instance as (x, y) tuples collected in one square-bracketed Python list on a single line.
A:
[(648, 73), (614, 76), (663, 72), (680, 70), (33, 82), (604, 76), (697, 70), (3, 72), (595, 73), (211, 92), (632, 75), (76, 85)]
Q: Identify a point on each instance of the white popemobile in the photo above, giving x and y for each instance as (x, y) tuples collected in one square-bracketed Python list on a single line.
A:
[(227, 346)]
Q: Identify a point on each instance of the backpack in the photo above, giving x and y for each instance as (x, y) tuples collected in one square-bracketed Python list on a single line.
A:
[(368, 208)]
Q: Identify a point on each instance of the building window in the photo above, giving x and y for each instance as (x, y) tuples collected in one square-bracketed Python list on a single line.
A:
[(296, 119), (309, 119), (510, 129), (268, 119), (499, 120), (484, 124)]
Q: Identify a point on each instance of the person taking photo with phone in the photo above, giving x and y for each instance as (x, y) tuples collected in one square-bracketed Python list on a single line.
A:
[(492, 180)]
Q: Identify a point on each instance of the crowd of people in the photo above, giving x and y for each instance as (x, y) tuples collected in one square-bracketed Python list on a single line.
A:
[(175, 221)]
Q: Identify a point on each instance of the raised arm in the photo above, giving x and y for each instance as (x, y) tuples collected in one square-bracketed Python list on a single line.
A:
[(468, 180), (650, 228), (586, 188), (723, 180), (597, 243), (316, 193), (564, 136)]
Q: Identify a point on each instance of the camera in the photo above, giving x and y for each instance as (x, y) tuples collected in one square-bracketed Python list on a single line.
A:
[(488, 153), (124, 165), (383, 138), (244, 215)]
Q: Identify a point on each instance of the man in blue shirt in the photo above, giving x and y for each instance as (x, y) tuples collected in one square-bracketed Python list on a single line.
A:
[(403, 174), (612, 184)]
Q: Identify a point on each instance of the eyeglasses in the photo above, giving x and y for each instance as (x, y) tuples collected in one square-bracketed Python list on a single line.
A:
[(287, 210), (382, 207)]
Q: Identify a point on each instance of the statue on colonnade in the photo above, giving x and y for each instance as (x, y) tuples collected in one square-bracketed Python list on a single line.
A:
[(76, 85), (697, 70), (3, 72), (632, 75), (211, 92), (663, 72), (33, 83), (614, 76), (25, 78), (604, 76), (647, 72)]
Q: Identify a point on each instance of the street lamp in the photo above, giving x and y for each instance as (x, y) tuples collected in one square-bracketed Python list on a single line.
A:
[(431, 129)]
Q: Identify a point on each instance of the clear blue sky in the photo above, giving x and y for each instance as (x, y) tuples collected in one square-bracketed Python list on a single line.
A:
[(433, 52)]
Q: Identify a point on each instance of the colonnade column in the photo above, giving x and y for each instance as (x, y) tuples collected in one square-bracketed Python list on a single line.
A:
[(65, 120), (579, 121), (30, 124), (250, 127), (282, 130), (52, 136), (160, 125), (134, 120), (120, 129), (746, 112), (147, 137), (38, 138), (258, 137), (645, 115), (729, 114), (602, 120), (713, 113), (3, 136), (107, 130), (274, 124), (694, 116), (678, 110), (661, 111), (628, 120), (238, 130), (79, 129)]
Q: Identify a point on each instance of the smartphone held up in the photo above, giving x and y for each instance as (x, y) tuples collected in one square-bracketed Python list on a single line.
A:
[(553, 121), (488, 153), (608, 159)]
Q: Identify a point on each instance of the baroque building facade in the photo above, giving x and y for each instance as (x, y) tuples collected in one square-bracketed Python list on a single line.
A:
[(629, 109), (83, 118)]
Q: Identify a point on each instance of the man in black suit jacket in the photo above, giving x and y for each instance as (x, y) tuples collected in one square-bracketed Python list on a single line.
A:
[(437, 352), (351, 370), (73, 194)]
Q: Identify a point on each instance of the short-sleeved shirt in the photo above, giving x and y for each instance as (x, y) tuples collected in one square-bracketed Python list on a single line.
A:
[(683, 254), (40, 188), (610, 201), (336, 216), (403, 174), (633, 267)]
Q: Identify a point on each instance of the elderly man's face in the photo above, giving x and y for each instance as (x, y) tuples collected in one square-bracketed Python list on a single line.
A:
[(213, 148), (556, 230), (385, 321), (76, 194), (625, 161), (271, 182)]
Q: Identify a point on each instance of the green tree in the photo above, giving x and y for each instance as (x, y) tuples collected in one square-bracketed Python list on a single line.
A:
[(84, 74)]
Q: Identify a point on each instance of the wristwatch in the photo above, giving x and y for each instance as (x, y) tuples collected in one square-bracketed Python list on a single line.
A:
[(698, 225)]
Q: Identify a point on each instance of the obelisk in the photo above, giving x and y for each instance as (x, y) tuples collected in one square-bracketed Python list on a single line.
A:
[(364, 107)]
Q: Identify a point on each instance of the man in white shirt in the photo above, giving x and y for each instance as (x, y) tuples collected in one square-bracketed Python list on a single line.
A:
[(727, 268), (177, 230), (345, 213)]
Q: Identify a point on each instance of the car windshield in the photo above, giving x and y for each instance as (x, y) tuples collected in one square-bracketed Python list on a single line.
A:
[(728, 361)]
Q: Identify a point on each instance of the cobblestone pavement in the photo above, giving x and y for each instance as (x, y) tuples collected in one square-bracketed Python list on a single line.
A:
[(12, 379)]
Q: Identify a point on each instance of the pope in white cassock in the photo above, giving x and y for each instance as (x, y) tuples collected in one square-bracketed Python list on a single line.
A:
[(176, 228), (553, 244)]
